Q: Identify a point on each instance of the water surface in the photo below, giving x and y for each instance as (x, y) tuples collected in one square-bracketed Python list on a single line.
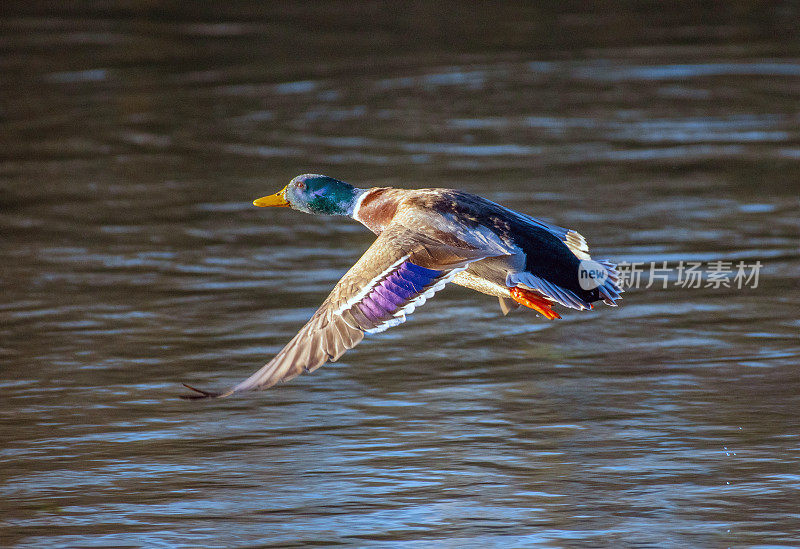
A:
[(132, 143)]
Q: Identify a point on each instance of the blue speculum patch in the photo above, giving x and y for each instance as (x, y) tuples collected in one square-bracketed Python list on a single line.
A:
[(396, 290)]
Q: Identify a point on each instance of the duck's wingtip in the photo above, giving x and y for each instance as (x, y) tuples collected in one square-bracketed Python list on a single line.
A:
[(201, 394)]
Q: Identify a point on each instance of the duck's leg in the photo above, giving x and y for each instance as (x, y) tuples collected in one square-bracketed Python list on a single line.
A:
[(507, 305), (534, 301)]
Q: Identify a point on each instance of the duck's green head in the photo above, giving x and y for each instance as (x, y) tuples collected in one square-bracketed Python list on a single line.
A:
[(314, 194)]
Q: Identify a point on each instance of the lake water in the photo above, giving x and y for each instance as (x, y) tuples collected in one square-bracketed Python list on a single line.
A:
[(133, 139)]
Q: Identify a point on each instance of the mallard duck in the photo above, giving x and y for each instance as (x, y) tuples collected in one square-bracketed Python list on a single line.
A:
[(427, 238)]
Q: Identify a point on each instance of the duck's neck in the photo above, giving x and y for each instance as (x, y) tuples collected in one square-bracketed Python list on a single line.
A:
[(374, 208), (354, 203)]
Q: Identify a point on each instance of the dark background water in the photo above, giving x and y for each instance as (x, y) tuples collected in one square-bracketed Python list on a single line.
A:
[(133, 136)]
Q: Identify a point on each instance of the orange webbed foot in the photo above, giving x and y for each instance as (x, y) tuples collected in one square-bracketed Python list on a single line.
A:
[(534, 301)]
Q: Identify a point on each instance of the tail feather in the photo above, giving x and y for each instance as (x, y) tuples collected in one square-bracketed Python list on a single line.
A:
[(610, 289)]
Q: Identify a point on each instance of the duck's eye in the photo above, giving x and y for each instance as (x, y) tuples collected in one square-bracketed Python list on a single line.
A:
[(301, 185)]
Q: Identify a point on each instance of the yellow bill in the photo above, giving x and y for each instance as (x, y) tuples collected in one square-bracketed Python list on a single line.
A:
[(276, 200)]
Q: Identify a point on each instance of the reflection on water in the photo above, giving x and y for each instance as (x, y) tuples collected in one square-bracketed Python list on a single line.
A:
[(132, 145)]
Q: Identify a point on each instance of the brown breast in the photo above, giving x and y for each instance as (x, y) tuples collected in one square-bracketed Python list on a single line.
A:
[(378, 208)]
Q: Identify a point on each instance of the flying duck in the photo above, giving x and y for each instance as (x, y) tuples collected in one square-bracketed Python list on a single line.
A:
[(427, 238)]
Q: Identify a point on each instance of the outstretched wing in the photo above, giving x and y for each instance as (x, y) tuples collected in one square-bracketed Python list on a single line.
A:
[(398, 273)]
